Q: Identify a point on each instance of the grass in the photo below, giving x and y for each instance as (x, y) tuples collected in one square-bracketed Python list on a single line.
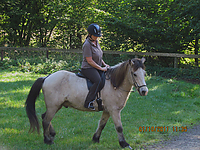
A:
[(169, 103)]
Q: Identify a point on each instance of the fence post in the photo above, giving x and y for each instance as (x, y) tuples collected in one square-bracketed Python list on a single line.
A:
[(47, 54), (1, 55), (175, 62)]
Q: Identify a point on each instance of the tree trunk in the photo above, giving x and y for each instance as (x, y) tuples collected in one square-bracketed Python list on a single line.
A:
[(196, 51), (79, 36)]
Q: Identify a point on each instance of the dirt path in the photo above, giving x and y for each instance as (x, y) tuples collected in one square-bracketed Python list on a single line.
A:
[(189, 140)]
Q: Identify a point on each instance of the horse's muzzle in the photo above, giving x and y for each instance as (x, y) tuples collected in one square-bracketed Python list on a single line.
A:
[(143, 91)]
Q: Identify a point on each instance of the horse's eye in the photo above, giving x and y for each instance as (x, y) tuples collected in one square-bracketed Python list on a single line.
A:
[(135, 75)]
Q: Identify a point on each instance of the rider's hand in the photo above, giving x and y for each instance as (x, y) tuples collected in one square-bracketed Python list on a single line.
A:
[(107, 66), (104, 69)]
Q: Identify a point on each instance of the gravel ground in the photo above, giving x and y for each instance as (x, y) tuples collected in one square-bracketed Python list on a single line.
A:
[(189, 140)]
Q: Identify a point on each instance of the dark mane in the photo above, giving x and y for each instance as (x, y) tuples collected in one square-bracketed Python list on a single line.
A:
[(117, 73)]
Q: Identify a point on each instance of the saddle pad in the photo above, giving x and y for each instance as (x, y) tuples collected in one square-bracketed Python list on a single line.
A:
[(90, 83)]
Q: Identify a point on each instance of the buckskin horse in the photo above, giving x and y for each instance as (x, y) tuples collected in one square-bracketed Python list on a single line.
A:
[(64, 88)]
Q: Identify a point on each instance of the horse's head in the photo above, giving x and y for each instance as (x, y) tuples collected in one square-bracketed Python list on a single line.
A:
[(137, 75)]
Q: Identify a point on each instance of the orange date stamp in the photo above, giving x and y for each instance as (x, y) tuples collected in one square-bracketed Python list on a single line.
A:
[(154, 129), (162, 129)]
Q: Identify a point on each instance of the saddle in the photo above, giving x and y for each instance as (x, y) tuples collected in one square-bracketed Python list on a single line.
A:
[(90, 83)]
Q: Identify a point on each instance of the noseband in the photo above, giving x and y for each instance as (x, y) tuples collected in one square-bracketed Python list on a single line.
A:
[(135, 83)]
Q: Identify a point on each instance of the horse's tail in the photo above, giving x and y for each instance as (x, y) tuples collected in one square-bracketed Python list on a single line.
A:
[(30, 104)]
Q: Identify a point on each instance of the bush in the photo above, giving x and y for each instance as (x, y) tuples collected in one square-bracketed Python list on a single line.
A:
[(42, 66), (192, 73), (72, 62), (49, 66)]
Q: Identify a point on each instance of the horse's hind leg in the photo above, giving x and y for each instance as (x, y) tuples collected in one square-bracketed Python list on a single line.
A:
[(51, 129), (49, 132), (102, 123)]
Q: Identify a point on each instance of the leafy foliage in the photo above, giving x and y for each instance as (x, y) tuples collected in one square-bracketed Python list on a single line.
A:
[(42, 23), (72, 62), (154, 26), (164, 26), (42, 65), (180, 73)]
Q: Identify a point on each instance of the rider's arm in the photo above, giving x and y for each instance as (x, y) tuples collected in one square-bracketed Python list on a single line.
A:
[(106, 65), (95, 65)]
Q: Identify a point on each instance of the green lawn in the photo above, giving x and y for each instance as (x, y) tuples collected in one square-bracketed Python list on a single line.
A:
[(169, 104)]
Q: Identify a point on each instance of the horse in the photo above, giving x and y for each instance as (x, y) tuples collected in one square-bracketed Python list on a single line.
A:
[(65, 88)]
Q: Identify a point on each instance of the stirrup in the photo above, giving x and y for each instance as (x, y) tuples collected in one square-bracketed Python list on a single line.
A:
[(90, 106)]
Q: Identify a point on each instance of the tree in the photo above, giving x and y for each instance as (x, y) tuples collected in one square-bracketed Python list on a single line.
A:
[(154, 26), (19, 20), (73, 25), (127, 25), (44, 23), (192, 16)]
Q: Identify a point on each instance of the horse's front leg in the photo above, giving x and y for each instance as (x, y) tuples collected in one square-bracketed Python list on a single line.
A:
[(118, 126), (102, 123)]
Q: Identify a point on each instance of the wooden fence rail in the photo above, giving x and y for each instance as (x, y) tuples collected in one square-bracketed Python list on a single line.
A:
[(174, 55)]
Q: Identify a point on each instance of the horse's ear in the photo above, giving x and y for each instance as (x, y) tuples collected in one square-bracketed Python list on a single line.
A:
[(131, 62), (143, 59)]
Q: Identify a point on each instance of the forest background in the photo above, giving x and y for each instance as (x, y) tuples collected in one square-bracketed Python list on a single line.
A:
[(167, 26)]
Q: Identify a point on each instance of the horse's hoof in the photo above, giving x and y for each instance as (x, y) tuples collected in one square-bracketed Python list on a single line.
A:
[(47, 141), (124, 144), (95, 139)]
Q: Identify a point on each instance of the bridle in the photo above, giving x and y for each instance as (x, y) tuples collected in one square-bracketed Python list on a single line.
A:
[(135, 82)]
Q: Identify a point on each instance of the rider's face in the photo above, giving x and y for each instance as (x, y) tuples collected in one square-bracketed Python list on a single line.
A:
[(94, 37)]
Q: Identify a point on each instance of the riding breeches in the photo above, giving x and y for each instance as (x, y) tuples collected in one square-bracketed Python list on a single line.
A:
[(93, 75)]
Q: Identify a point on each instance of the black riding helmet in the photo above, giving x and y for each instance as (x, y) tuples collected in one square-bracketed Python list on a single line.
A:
[(94, 29)]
